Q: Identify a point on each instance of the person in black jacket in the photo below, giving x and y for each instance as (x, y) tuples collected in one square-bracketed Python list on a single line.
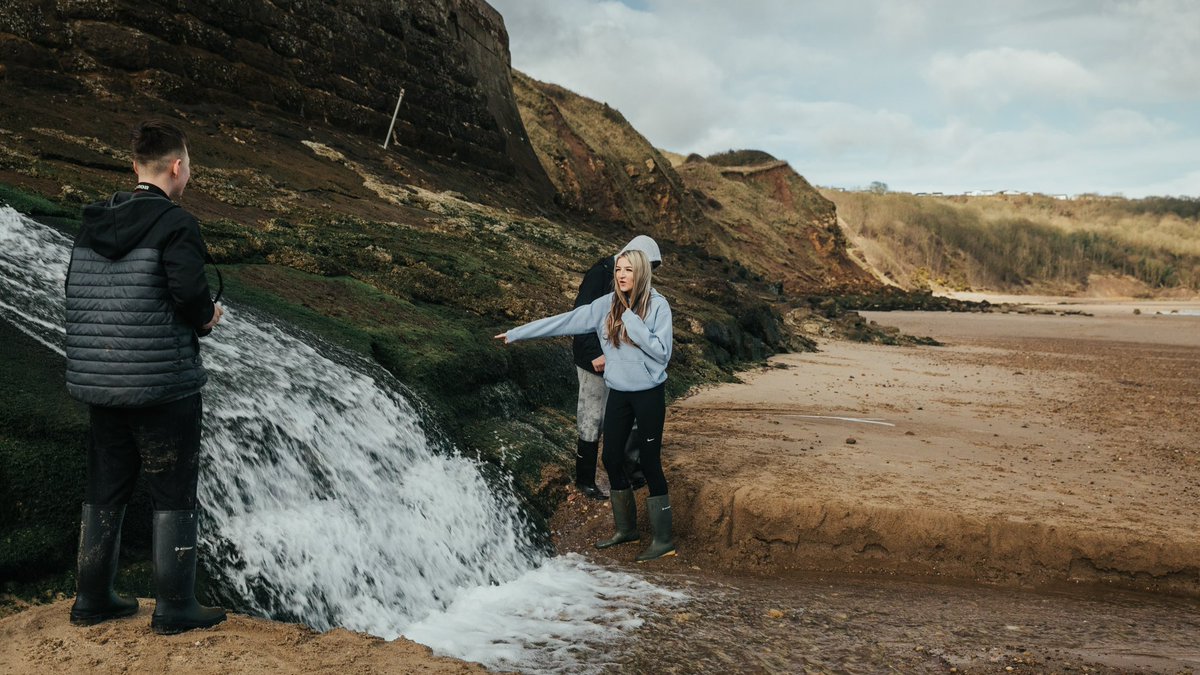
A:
[(137, 301), (589, 366)]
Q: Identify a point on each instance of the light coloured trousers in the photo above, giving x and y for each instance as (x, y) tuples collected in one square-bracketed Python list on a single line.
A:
[(593, 396)]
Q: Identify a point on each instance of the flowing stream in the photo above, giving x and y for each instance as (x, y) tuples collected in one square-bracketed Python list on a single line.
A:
[(328, 501)]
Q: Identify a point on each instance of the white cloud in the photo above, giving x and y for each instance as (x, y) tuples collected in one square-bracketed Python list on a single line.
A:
[(1160, 55), (1128, 126), (902, 22), (625, 58), (1049, 95), (994, 77)]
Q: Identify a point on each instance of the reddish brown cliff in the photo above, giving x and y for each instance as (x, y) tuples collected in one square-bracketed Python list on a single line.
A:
[(766, 217)]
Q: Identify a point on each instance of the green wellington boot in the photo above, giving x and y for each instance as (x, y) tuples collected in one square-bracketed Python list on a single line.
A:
[(625, 515), (175, 576), (659, 511), (99, 544)]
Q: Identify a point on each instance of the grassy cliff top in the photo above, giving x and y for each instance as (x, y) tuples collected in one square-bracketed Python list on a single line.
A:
[(1027, 243)]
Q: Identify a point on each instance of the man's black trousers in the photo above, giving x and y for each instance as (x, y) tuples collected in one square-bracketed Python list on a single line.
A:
[(163, 441)]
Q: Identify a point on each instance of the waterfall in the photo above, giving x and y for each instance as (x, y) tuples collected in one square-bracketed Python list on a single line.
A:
[(326, 501)]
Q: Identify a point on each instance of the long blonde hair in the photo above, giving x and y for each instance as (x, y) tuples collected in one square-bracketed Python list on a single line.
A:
[(638, 299)]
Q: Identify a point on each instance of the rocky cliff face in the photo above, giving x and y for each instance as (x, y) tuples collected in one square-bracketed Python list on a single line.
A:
[(765, 217), (339, 63), (603, 168), (779, 224)]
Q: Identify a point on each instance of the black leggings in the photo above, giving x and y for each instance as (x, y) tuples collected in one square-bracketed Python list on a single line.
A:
[(649, 409), (161, 441)]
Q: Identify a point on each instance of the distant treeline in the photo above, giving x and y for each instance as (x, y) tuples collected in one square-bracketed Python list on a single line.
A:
[(1184, 207), (1010, 243)]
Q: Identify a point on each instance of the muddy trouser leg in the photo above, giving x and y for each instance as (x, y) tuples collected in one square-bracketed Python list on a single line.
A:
[(589, 417), (168, 439)]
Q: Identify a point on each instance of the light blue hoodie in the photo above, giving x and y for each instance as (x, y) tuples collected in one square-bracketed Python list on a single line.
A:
[(636, 367)]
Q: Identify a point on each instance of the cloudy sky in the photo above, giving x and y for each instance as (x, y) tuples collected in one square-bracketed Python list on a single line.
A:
[(1053, 96)]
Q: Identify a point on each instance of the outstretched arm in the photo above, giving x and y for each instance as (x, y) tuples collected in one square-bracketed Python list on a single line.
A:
[(574, 322), (654, 339)]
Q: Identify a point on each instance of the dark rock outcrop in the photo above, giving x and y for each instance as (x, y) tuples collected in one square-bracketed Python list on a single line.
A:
[(339, 63)]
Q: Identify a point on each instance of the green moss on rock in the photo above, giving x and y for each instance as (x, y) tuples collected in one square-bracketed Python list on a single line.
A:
[(42, 461)]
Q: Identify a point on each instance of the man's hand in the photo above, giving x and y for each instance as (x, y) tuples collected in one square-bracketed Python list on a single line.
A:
[(502, 336), (598, 364), (216, 317)]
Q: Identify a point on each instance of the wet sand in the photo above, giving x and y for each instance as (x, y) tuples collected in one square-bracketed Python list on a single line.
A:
[(804, 623)]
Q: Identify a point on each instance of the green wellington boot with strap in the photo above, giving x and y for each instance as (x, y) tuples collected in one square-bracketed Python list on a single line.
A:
[(659, 511), (625, 516)]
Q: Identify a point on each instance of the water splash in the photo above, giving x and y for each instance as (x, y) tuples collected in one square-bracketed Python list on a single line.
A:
[(326, 502), (330, 504), (33, 275)]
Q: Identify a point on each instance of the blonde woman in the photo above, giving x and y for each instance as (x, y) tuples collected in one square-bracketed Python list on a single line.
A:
[(634, 326)]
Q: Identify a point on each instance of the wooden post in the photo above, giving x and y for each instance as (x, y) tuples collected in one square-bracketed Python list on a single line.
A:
[(394, 115)]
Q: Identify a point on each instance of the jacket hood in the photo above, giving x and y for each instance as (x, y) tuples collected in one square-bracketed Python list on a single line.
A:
[(116, 227), (645, 245)]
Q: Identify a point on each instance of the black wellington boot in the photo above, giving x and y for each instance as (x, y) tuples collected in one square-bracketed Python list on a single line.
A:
[(175, 576), (659, 511), (99, 546), (585, 470), (625, 516)]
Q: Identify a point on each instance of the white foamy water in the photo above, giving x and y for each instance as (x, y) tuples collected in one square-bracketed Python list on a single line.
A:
[(33, 274), (326, 502)]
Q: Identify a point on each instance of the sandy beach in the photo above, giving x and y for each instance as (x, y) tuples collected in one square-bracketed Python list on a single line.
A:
[(1029, 449)]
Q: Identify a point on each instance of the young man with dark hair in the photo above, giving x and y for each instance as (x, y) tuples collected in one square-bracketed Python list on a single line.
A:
[(137, 303)]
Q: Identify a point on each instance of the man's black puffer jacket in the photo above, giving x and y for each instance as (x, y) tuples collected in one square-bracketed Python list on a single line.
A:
[(137, 300)]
